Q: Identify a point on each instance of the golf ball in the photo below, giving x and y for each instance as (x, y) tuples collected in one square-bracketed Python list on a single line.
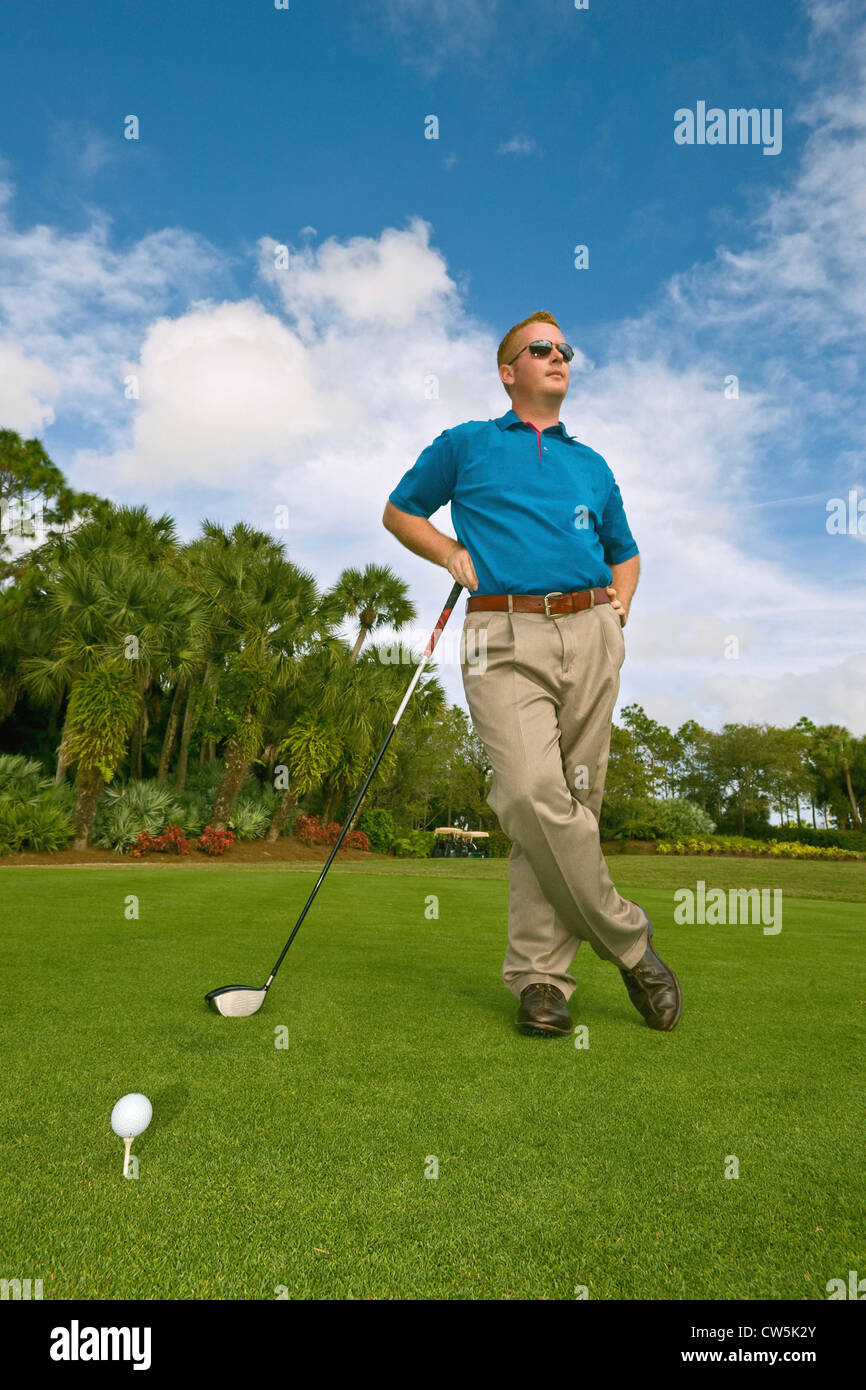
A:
[(131, 1115)]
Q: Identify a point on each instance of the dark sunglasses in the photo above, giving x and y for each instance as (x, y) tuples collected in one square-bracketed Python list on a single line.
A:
[(543, 348)]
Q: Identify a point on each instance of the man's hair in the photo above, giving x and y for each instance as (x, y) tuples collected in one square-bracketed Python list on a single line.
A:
[(507, 346)]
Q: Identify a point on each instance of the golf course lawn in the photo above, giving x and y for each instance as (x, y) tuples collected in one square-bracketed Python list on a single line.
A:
[(302, 1169)]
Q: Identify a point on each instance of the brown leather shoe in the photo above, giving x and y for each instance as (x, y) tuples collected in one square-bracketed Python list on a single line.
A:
[(544, 1011), (654, 990)]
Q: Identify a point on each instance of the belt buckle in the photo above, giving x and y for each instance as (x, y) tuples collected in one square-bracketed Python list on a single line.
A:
[(554, 593)]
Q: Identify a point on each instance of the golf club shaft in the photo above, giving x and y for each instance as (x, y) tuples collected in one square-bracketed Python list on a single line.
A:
[(428, 652)]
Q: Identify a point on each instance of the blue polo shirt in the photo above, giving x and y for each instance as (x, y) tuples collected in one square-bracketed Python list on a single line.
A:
[(536, 509)]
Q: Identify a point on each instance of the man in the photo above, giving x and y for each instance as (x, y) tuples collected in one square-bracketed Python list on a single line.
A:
[(542, 530)]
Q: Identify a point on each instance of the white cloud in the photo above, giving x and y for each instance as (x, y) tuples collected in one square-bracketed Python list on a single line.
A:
[(433, 34), (25, 382), (319, 416), (519, 144), (396, 278), (224, 389), (80, 307), (84, 151)]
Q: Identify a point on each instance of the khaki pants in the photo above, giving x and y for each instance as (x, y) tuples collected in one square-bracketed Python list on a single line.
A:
[(541, 692)]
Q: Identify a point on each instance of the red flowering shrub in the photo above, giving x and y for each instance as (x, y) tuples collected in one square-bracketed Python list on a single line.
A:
[(171, 839), (215, 841), (311, 831), (356, 839)]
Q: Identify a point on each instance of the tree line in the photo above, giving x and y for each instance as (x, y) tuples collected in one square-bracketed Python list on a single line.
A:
[(126, 653)]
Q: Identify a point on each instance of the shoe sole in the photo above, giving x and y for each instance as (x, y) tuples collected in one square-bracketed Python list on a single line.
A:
[(539, 1030)]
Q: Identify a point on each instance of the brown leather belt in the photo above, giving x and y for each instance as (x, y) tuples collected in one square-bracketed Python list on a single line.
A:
[(553, 605)]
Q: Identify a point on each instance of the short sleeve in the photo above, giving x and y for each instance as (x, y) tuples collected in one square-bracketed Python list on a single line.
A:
[(616, 538), (431, 480)]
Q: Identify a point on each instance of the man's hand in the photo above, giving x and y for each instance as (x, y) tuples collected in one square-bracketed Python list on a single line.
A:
[(459, 565), (618, 607)]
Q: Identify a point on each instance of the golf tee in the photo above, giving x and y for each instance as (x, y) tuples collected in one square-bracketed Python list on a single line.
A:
[(127, 1144)]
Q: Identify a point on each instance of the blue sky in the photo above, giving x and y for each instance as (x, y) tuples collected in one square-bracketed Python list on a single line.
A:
[(303, 387)]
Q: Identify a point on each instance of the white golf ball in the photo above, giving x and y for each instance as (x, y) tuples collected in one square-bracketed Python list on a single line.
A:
[(131, 1115)]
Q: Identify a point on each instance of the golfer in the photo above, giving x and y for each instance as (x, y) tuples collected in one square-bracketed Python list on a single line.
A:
[(545, 550)]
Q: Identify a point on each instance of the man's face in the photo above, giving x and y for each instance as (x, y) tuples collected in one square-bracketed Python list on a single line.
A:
[(537, 377)]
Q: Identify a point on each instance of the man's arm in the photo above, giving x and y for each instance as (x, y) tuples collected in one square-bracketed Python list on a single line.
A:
[(624, 579), (421, 537)]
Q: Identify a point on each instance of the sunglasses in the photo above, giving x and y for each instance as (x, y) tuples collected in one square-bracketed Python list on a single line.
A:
[(543, 348)]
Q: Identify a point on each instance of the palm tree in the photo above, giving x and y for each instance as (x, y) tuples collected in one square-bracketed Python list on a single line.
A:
[(270, 613), (103, 708), (115, 618), (377, 597), (374, 688), (837, 755), (327, 718), (74, 602)]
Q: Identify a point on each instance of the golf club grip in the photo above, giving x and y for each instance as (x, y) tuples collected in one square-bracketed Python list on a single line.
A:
[(443, 618), (428, 652)]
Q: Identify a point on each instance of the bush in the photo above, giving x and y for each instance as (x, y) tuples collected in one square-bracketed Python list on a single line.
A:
[(22, 779), (643, 818), (677, 818), (310, 831), (125, 811), (194, 811), (809, 835), (250, 818), (205, 781), (44, 826), (740, 844), (380, 827), (414, 844), (214, 841), (172, 840)]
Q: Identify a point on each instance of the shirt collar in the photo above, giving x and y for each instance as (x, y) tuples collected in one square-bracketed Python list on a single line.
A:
[(512, 418)]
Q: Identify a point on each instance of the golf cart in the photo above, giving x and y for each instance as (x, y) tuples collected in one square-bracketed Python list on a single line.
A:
[(454, 842)]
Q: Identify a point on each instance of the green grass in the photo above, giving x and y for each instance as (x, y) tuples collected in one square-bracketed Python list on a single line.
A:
[(304, 1167)]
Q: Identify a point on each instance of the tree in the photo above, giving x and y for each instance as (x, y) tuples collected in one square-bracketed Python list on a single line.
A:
[(655, 744), (102, 711), (841, 758), (377, 597), (34, 494), (738, 755), (696, 778), (266, 614), (356, 707), (112, 615), (36, 505)]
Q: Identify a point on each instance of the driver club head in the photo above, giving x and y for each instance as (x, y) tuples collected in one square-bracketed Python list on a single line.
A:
[(236, 1001)]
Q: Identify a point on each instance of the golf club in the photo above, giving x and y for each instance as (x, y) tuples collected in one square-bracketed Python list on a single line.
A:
[(239, 1001)]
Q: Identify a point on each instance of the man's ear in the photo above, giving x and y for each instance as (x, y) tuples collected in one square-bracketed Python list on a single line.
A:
[(506, 375)]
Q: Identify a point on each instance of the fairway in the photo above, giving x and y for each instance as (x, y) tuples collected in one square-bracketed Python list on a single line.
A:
[(302, 1168)]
